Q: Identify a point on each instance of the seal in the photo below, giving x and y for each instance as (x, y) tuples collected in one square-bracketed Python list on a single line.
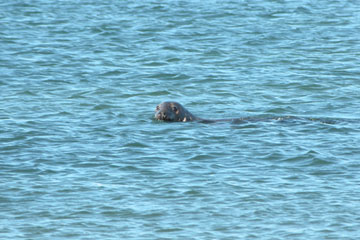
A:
[(173, 112)]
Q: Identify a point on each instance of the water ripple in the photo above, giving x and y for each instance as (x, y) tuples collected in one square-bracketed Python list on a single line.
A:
[(81, 153)]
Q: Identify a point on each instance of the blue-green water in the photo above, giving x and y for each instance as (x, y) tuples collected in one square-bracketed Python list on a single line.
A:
[(82, 158)]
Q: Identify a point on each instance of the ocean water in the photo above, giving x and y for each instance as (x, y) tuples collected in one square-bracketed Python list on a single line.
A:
[(81, 156)]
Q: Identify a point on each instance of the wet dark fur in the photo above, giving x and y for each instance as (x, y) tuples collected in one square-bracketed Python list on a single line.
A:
[(173, 112)]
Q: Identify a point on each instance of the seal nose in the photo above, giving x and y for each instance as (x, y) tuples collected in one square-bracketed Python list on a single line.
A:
[(163, 116)]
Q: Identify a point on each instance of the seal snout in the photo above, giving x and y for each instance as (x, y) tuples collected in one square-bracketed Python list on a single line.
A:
[(159, 115)]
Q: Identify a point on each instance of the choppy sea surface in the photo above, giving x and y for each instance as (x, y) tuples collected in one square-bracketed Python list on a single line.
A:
[(81, 156)]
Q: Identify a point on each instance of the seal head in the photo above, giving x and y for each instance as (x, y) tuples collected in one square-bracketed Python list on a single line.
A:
[(173, 112)]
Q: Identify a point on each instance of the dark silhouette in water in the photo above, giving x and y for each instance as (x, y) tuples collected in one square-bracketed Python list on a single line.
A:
[(175, 112)]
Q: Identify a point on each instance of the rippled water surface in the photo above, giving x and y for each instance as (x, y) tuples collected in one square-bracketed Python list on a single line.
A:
[(81, 156)]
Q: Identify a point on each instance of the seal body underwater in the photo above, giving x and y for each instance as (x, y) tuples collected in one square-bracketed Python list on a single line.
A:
[(175, 112)]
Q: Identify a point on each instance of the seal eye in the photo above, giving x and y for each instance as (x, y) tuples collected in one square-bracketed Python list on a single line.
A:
[(174, 109), (157, 108)]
